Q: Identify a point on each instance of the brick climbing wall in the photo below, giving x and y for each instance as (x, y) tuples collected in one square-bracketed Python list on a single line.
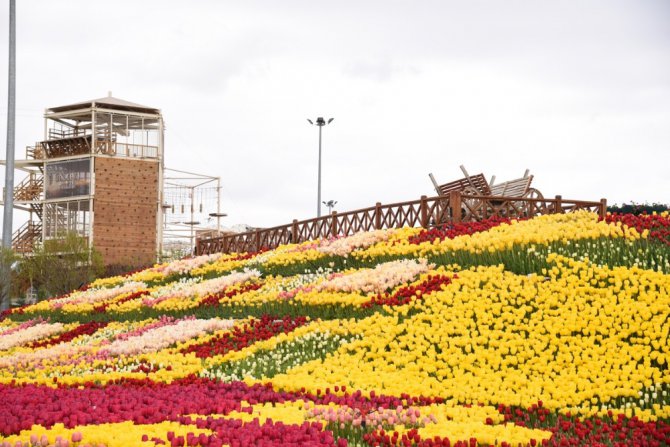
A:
[(125, 210)]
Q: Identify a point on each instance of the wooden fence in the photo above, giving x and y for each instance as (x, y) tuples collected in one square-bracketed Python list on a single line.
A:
[(426, 212)]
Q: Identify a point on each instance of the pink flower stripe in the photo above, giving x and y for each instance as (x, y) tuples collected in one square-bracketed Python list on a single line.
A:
[(342, 246), (162, 321), (29, 334), (96, 295), (288, 294), (164, 336), (373, 417), (185, 265), (379, 279), (164, 293), (208, 287), (22, 326), (32, 359), (81, 330)]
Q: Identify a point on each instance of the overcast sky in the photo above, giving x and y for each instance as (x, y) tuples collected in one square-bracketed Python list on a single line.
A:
[(576, 91)]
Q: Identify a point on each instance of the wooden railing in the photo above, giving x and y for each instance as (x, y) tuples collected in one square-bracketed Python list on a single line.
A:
[(425, 212), (102, 146), (35, 152), (119, 149)]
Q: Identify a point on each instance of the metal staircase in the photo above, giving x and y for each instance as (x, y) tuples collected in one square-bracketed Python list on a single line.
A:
[(30, 188), (26, 237)]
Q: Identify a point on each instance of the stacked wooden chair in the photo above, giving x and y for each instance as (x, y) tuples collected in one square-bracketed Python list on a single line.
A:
[(492, 199)]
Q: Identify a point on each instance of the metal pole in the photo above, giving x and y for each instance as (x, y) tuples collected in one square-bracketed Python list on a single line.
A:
[(192, 220), (218, 206), (318, 197), (8, 214)]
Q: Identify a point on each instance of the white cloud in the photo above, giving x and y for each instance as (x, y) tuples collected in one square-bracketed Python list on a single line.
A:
[(579, 92)]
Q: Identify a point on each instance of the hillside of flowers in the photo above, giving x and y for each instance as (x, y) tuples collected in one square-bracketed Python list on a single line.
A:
[(551, 331)]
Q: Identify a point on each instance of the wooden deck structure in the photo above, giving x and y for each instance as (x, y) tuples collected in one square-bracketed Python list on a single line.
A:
[(452, 208)]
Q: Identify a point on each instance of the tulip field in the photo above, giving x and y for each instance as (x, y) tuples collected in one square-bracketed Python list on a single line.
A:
[(547, 331)]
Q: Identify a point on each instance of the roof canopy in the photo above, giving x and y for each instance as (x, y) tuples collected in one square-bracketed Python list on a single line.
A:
[(108, 102)]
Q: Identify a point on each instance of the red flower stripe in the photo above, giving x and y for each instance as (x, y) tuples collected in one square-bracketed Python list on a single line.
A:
[(147, 402), (82, 329), (244, 257), (240, 434), (102, 308), (215, 298), (240, 337), (658, 226), (451, 231), (141, 401), (406, 294), (567, 430)]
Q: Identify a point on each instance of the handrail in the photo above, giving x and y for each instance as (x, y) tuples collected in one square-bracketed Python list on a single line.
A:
[(425, 212), (30, 188), (130, 150), (24, 239), (104, 146)]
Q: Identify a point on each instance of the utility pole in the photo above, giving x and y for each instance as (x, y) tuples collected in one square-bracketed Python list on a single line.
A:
[(8, 214)]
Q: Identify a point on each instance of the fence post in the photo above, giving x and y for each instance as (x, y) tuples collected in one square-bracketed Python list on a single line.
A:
[(424, 211), (333, 224), (258, 240), (603, 208), (558, 206), (225, 243), (294, 232), (378, 216), (455, 206)]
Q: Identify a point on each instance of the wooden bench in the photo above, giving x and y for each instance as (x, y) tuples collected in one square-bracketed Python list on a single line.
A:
[(494, 204), (475, 185)]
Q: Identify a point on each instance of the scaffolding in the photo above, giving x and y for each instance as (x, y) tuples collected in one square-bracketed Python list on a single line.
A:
[(191, 209)]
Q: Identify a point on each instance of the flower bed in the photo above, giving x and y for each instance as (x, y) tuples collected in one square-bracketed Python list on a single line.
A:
[(548, 331)]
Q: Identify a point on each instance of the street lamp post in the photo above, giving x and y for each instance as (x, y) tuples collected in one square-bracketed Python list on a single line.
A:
[(330, 204), (8, 209), (319, 122)]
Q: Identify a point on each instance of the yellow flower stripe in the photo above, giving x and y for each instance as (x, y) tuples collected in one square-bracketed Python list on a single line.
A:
[(453, 421), (539, 230), (460, 344), (121, 434), (340, 327), (462, 423), (88, 307), (222, 265), (147, 275), (107, 282)]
